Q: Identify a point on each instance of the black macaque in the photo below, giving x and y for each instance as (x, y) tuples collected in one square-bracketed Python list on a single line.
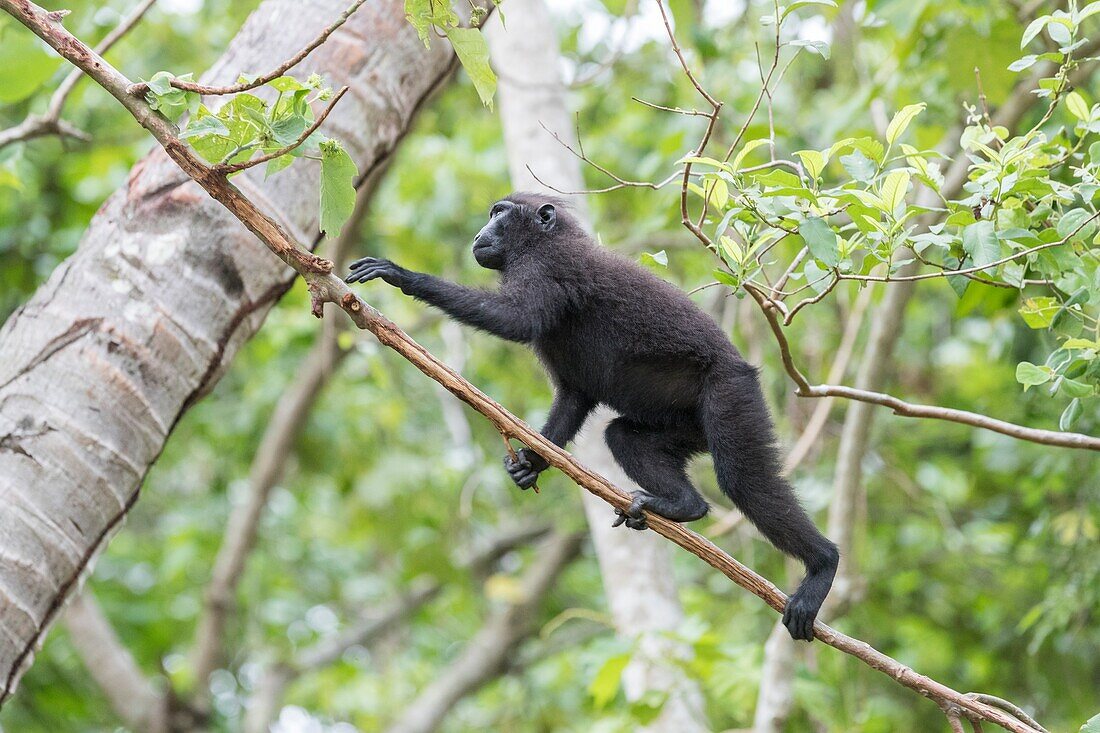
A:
[(611, 333)]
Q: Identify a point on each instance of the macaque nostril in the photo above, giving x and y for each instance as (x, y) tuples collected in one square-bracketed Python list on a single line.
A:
[(477, 237)]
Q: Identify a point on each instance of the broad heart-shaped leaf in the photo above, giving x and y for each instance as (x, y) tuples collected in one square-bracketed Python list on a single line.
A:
[(1039, 312), (1072, 224), (338, 172), (288, 129), (473, 52), (821, 240), (813, 161), (980, 242), (1030, 375), (206, 125), (901, 121)]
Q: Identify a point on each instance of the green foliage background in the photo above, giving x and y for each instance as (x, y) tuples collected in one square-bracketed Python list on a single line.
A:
[(979, 554)]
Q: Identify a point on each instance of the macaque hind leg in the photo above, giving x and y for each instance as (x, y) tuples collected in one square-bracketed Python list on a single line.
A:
[(656, 458)]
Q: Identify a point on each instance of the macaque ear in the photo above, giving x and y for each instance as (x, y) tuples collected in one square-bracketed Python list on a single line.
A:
[(547, 215)]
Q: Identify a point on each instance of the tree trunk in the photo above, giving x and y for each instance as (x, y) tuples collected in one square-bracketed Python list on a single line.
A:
[(636, 566), (166, 285)]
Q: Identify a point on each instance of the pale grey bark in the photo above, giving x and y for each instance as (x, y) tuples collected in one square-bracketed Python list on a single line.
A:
[(141, 322), (636, 566)]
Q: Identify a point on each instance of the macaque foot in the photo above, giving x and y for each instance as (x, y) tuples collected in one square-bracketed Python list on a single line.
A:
[(633, 516), (799, 615)]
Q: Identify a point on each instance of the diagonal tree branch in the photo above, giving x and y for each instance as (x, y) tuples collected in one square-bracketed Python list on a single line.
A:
[(326, 287), (263, 707), (133, 697), (488, 653)]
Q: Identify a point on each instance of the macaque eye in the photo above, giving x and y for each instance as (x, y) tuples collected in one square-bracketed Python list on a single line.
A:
[(495, 210)]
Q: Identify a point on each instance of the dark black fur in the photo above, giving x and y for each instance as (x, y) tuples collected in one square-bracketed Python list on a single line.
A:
[(609, 332)]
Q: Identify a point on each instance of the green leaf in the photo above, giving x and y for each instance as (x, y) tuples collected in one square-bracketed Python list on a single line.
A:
[(286, 84), (1085, 12), (894, 189), (726, 278), (1023, 63), (980, 242), (1039, 312), (819, 47), (1033, 29), (657, 258), (803, 3), (719, 193), (1075, 389), (1072, 224), (821, 240), (1077, 106), (423, 14), (859, 166), (288, 129), (1058, 30), (901, 121), (25, 65), (1092, 725), (1066, 422), (277, 164), (1031, 375), (747, 148), (813, 161), (605, 685), (208, 125), (817, 277), (473, 52), (338, 172)]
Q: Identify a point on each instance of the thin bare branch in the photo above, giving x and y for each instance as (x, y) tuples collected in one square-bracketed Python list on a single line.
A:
[(908, 409), (141, 88), (977, 268), (51, 123)]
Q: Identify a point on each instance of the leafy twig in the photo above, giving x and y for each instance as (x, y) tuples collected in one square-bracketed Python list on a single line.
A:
[(141, 88), (228, 168)]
